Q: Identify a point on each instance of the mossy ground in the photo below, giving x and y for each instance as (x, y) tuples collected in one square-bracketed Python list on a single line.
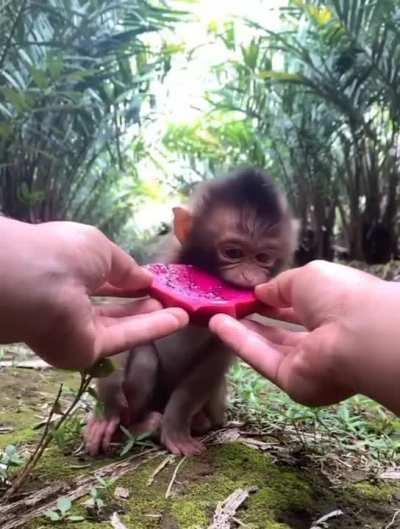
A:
[(289, 494)]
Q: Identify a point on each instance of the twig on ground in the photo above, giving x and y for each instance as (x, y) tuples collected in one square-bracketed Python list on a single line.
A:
[(171, 483), (6, 429), (393, 521), (319, 523), (239, 522), (222, 436), (169, 459), (393, 473), (25, 364), (226, 510)]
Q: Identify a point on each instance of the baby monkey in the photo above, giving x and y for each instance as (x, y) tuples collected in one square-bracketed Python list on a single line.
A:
[(240, 229)]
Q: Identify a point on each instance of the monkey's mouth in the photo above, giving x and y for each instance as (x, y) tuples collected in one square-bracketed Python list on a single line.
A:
[(246, 283), (199, 293)]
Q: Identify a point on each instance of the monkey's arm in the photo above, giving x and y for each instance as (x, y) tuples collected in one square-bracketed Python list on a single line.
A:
[(140, 382)]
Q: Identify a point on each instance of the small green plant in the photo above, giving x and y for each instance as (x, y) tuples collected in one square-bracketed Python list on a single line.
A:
[(63, 512), (142, 440), (100, 493), (66, 436), (9, 458), (97, 500)]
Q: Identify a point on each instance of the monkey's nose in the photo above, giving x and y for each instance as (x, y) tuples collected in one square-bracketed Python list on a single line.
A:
[(251, 280)]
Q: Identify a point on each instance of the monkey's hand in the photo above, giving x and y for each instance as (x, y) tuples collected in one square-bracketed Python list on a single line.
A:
[(99, 433)]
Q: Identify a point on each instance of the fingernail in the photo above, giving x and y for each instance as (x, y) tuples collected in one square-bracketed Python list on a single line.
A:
[(261, 291), (220, 320), (147, 273), (179, 314), (152, 304)]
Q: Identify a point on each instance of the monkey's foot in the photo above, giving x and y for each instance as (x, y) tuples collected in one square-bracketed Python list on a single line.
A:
[(181, 444), (98, 434), (149, 424)]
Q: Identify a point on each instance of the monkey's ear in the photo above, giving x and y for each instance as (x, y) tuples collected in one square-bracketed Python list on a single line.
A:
[(183, 221)]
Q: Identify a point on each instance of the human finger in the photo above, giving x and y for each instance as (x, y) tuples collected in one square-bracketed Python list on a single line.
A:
[(125, 273), (278, 291), (108, 290), (275, 334), (128, 332), (249, 345), (286, 314), (120, 310)]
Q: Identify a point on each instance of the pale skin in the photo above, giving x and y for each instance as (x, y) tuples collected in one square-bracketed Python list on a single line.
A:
[(48, 273), (351, 344)]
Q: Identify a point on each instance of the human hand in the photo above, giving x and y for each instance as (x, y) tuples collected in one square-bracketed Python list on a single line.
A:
[(350, 342), (48, 274)]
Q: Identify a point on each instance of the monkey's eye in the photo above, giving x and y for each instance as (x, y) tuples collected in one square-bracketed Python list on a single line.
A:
[(264, 258), (232, 253)]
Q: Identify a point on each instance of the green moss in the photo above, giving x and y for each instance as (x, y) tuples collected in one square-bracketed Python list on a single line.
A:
[(21, 436), (191, 513), (371, 492), (54, 466), (145, 502), (235, 466), (23, 395)]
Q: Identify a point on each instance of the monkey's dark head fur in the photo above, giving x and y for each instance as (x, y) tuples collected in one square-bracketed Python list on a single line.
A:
[(244, 189), (242, 228)]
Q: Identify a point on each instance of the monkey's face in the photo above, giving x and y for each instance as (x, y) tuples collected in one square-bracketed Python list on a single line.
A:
[(243, 242), (245, 264), (248, 249)]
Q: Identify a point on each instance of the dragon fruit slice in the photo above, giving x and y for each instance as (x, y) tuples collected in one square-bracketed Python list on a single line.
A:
[(199, 293)]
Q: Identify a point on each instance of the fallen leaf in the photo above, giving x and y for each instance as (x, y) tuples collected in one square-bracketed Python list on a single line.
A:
[(122, 493), (320, 524), (116, 522), (393, 473)]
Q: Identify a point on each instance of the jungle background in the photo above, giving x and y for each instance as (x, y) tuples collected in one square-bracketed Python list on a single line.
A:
[(110, 112)]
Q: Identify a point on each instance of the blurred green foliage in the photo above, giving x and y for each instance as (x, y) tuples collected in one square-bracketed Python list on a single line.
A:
[(75, 86), (317, 102)]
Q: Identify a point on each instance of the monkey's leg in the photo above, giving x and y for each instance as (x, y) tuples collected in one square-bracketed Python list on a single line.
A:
[(216, 406), (139, 387), (213, 414), (190, 397), (148, 425), (103, 423), (200, 423)]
